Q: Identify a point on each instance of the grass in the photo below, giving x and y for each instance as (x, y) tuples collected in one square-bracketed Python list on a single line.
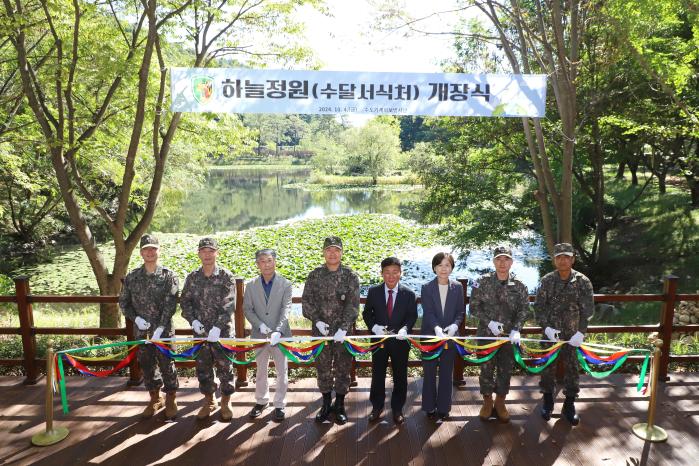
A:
[(258, 166), (361, 180), (659, 236)]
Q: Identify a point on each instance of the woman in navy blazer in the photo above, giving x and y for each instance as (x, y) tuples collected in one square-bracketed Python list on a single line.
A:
[(442, 313)]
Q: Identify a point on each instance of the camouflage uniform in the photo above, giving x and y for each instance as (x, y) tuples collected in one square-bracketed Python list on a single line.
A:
[(153, 297), (332, 297), (564, 305), (211, 301), (507, 302)]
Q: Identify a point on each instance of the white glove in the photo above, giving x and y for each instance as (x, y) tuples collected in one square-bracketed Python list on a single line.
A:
[(198, 327), (552, 333), (515, 337), (323, 328), (340, 335), (141, 323), (438, 332), (157, 333), (214, 334), (577, 339), (264, 329), (496, 328), (378, 330), (274, 339), (452, 329), (402, 334)]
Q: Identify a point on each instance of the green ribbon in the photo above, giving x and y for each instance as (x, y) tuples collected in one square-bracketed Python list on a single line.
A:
[(62, 385), (642, 375), (485, 358), (107, 345), (599, 374), (291, 357), (534, 370)]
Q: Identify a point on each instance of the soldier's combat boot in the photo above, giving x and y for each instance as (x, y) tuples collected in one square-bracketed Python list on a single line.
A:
[(155, 403), (208, 406), (226, 413), (487, 408), (501, 409), (547, 406), (170, 406), (326, 409), (568, 411), (339, 408)]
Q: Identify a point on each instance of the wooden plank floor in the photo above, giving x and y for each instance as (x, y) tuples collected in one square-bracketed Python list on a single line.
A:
[(105, 428)]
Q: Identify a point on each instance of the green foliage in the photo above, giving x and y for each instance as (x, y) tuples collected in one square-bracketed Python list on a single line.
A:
[(367, 238), (476, 184), (7, 286), (373, 148)]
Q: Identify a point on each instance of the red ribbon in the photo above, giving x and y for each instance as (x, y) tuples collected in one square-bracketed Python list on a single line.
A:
[(105, 373)]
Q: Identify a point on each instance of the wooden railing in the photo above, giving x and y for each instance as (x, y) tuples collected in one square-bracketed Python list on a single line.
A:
[(28, 331)]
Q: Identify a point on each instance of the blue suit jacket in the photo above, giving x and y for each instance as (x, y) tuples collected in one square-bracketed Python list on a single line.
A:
[(432, 313)]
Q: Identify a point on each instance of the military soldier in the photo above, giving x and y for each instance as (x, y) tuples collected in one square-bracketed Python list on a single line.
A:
[(331, 301), (149, 299), (564, 304), (501, 303), (208, 301)]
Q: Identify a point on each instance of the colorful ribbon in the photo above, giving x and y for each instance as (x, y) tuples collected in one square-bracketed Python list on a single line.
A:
[(306, 351)]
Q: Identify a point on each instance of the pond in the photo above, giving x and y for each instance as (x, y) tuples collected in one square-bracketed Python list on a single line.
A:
[(242, 199), (232, 200)]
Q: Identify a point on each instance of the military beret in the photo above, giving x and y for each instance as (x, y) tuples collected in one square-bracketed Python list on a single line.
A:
[(332, 241), (149, 241), (564, 249), (208, 242)]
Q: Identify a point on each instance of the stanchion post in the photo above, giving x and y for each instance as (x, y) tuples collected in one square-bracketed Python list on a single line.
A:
[(52, 434), (648, 430), (239, 322)]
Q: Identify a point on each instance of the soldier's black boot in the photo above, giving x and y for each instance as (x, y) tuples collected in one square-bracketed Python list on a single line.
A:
[(547, 406), (339, 408), (568, 411), (326, 409)]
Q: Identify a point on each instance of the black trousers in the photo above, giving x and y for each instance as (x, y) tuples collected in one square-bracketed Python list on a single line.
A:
[(398, 351)]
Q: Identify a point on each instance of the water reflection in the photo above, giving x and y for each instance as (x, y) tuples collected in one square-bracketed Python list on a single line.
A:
[(238, 200)]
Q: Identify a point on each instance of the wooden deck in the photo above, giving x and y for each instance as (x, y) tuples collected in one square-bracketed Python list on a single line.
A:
[(105, 428)]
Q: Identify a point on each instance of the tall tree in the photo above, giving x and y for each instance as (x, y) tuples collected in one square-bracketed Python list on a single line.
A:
[(90, 68)]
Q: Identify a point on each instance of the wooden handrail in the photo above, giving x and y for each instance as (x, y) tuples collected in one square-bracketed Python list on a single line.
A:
[(28, 331)]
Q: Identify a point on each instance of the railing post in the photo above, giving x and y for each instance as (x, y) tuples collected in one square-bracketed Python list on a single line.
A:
[(26, 329), (239, 322), (459, 363), (668, 312), (135, 372)]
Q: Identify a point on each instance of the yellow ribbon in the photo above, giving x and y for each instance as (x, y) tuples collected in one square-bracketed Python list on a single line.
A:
[(103, 358)]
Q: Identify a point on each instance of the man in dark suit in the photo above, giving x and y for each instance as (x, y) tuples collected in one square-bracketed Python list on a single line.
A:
[(390, 308)]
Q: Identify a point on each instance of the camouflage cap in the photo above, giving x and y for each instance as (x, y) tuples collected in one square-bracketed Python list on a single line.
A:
[(563, 249), (332, 241), (502, 251), (149, 241), (208, 242)]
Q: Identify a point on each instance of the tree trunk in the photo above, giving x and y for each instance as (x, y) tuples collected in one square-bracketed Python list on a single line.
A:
[(633, 168), (620, 170), (662, 189), (110, 315), (693, 190)]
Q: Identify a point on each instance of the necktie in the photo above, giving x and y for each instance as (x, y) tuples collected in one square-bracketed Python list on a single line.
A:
[(389, 305)]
